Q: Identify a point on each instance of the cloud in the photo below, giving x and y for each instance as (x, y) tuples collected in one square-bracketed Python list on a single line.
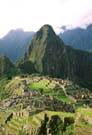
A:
[(86, 19)]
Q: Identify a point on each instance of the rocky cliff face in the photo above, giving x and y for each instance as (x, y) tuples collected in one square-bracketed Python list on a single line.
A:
[(80, 65)]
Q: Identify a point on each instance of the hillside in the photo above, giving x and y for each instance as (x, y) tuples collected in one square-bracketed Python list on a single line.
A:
[(50, 56), (6, 66), (14, 44), (38, 105), (78, 38)]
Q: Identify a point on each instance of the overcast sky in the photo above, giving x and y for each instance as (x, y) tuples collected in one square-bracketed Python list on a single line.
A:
[(32, 14)]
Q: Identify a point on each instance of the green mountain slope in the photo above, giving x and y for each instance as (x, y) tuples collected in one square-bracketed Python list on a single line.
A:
[(48, 53), (5, 65), (51, 56), (26, 66)]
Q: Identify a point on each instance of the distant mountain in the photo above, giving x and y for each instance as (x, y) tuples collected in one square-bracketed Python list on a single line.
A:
[(78, 38), (50, 56), (14, 44)]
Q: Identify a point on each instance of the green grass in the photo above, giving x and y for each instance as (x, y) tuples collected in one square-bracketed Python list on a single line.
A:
[(64, 99), (62, 114), (3, 92), (83, 125), (82, 122), (57, 93), (38, 86), (69, 130), (85, 111)]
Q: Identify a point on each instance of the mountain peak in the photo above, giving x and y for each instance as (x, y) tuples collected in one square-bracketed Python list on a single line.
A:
[(47, 27), (44, 50), (89, 27), (46, 31)]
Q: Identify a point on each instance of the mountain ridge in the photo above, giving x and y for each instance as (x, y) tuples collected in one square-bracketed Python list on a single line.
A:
[(14, 44), (78, 38)]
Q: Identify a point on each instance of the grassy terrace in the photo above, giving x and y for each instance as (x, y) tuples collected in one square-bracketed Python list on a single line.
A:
[(83, 111), (83, 124), (48, 88), (34, 121), (62, 114)]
